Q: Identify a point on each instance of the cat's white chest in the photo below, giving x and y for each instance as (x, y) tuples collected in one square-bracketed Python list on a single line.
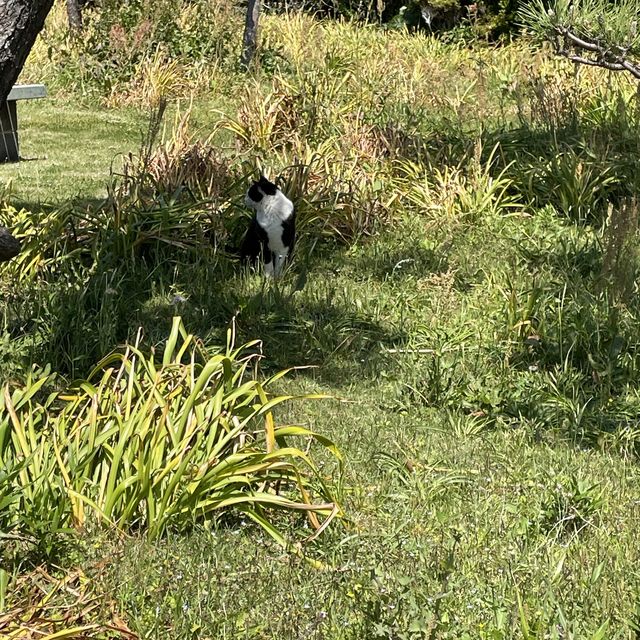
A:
[(270, 217), (272, 225)]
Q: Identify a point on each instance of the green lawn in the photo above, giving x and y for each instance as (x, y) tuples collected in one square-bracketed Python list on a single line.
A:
[(69, 148), (57, 134)]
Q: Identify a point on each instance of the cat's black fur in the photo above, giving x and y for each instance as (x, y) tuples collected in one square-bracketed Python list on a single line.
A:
[(272, 232)]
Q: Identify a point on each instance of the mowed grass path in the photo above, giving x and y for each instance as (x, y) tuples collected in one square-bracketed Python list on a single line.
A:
[(69, 147), (456, 526), (56, 134)]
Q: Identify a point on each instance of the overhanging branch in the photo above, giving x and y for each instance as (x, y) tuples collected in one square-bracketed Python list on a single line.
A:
[(611, 58)]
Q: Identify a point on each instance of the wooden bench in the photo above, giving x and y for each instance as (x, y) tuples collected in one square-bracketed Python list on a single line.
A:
[(9, 149)]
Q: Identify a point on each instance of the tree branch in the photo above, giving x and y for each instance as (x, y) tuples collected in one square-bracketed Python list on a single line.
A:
[(579, 42), (605, 57), (611, 66), (632, 68)]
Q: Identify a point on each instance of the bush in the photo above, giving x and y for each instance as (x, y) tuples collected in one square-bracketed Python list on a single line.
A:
[(121, 41), (154, 442)]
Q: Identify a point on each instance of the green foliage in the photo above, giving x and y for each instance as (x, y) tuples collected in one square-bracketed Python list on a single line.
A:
[(489, 17), (120, 42), (464, 286), (593, 32), (153, 444), (464, 194), (613, 22), (570, 505), (175, 193), (577, 187)]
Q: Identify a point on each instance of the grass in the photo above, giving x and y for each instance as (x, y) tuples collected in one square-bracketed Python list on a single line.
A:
[(62, 132), (464, 291), (55, 135)]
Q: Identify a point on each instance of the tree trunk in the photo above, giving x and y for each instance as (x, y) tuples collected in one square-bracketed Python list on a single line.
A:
[(250, 39), (74, 13), (9, 246), (20, 23)]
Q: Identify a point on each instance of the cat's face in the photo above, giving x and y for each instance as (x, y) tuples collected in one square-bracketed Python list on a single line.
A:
[(258, 191)]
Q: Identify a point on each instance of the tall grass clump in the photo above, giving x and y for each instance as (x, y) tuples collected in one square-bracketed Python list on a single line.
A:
[(461, 195), (155, 442), (575, 136), (119, 43), (176, 192), (331, 162)]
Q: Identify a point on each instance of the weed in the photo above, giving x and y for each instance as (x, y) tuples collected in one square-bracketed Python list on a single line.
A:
[(570, 505)]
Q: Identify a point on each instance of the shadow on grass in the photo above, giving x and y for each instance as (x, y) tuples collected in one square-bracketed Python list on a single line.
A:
[(78, 203), (86, 310), (311, 327), (396, 263), (82, 312)]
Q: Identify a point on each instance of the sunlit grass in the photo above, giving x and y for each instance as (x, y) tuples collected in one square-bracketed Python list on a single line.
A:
[(464, 288)]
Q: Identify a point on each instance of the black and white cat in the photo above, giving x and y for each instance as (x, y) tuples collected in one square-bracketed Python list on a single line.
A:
[(272, 232)]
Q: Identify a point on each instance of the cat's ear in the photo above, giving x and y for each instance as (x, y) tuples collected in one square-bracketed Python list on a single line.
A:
[(269, 188)]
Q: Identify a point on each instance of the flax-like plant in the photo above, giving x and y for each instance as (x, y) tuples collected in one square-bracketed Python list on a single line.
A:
[(48, 239), (149, 442), (458, 192)]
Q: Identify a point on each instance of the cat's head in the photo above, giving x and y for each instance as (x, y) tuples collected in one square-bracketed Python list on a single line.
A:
[(258, 191)]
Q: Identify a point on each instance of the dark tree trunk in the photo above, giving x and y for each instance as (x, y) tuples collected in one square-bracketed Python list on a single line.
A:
[(20, 23), (9, 246), (74, 13), (250, 38)]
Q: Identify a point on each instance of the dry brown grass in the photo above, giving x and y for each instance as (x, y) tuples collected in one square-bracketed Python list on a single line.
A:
[(620, 248), (43, 606)]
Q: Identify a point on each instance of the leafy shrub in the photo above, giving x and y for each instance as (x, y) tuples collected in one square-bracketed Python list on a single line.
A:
[(153, 443), (120, 41), (49, 239), (577, 185)]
